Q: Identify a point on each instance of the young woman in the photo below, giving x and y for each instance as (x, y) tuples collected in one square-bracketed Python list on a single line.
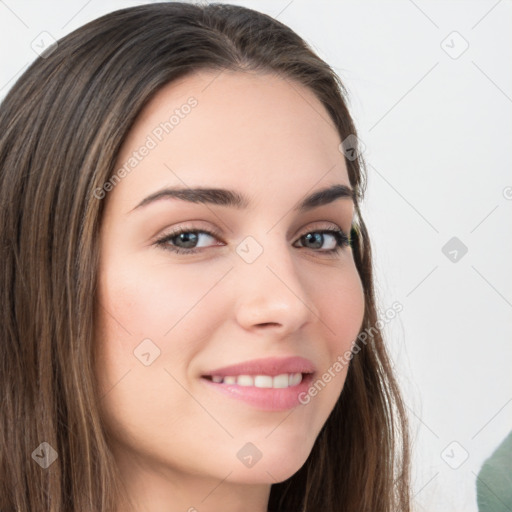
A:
[(189, 321)]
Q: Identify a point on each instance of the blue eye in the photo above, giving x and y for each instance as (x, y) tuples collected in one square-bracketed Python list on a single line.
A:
[(318, 237), (190, 237)]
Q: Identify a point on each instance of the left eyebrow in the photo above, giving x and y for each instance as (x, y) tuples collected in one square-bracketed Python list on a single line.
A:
[(234, 199)]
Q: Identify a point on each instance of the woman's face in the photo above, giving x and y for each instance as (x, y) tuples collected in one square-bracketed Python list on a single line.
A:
[(263, 286)]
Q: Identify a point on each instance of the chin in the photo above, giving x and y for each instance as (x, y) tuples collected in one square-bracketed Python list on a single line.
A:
[(271, 471)]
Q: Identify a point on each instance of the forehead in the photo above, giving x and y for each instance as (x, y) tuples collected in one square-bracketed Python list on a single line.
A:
[(251, 131)]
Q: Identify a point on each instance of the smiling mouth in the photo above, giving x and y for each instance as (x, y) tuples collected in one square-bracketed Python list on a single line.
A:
[(282, 381), (271, 393)]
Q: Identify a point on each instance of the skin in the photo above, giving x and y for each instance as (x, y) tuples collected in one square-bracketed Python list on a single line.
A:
[(175, 439)]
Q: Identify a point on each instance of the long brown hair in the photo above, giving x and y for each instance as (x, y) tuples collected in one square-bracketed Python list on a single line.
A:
[(61, 128)]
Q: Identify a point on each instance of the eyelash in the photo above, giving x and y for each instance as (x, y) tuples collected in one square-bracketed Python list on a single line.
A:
[(342, 240)]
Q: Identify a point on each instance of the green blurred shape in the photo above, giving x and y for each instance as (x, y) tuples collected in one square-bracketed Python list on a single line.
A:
[(494, 481)]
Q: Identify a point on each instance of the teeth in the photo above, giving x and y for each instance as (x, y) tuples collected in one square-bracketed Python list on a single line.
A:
[(284, 380), (294, 379), (244, 380), (281, 381)]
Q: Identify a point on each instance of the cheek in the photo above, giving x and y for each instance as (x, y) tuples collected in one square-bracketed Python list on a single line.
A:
[(342, 310), (140, 301), (340, 305), (137, 304), (152, 300)]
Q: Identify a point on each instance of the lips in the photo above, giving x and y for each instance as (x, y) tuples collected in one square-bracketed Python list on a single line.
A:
[(267, 366), (272, 384)]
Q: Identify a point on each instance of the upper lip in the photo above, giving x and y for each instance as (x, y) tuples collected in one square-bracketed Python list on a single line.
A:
[(266, 366)]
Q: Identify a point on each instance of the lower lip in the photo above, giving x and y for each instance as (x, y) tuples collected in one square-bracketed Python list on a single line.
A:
[(266, 399)]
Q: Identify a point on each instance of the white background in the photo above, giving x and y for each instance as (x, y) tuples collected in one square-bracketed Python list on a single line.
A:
[(438, 132)]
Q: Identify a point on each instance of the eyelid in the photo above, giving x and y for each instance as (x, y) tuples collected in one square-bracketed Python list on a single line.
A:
[(214, 231), (343, 240)]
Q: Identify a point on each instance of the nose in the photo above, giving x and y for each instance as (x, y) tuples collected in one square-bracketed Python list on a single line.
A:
[(271, 293)]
